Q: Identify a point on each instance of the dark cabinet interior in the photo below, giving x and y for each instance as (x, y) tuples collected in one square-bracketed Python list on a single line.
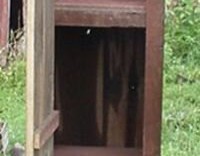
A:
[(99, 84)]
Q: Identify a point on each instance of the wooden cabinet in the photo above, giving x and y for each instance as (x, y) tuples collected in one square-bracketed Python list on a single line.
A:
[(94, 87)]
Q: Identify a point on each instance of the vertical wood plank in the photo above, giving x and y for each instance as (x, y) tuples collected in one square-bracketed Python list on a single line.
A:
[(153, 77), (30, 78), (136, 92), (99, 89), (119, 65), (40, 71), (4, 22), (117, 90), (139, 76)]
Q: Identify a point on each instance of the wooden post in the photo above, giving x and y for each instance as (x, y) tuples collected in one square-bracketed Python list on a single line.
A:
[(153, 78), (4, 22), (42, 121)]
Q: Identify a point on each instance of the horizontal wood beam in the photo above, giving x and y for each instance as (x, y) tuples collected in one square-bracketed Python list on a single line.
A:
[(96, 151), (100, 14)]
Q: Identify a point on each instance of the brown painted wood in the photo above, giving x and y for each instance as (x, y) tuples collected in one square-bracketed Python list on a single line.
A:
[(124, 75), (153, 78), (4, 22), (116, 87), (40, 72), (100, 13), (120, 51), (96, 151)]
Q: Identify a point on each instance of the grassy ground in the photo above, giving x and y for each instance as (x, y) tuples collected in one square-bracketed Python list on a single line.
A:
[(12, 103), (181, 120)]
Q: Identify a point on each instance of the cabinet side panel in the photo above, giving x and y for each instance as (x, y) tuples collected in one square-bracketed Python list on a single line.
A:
[(153, 77), (40, 72)]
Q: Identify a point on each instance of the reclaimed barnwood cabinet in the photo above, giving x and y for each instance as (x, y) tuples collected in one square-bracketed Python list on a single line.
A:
[(94, 77)]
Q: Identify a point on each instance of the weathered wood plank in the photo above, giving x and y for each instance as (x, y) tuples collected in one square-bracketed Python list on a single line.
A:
[(97, 151), (119, 59), (153, 78), (4, 22), (30, 78), (40, 71), (42, 134), (99, 90), (100, 13)]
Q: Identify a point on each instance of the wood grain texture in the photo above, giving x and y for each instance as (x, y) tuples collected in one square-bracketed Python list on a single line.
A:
[(30, 78), (153, 77), (96, 151), (99, 89), (46, 131), (119, 53), (40, 71), (124, 74), (4, 22), (82, 74), (100, 13)]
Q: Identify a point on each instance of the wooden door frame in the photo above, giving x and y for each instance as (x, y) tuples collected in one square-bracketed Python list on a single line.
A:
[(42, 120), (153, 77)]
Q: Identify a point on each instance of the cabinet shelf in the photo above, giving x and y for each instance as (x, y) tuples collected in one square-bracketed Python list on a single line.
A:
[(91, 151), (100, 13)]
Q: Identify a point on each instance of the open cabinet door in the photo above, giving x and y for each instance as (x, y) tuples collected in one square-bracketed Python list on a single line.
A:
[(42, 120)]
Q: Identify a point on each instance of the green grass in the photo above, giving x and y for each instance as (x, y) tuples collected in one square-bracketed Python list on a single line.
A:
[(12, 103), (181, 100), (181, 120)]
